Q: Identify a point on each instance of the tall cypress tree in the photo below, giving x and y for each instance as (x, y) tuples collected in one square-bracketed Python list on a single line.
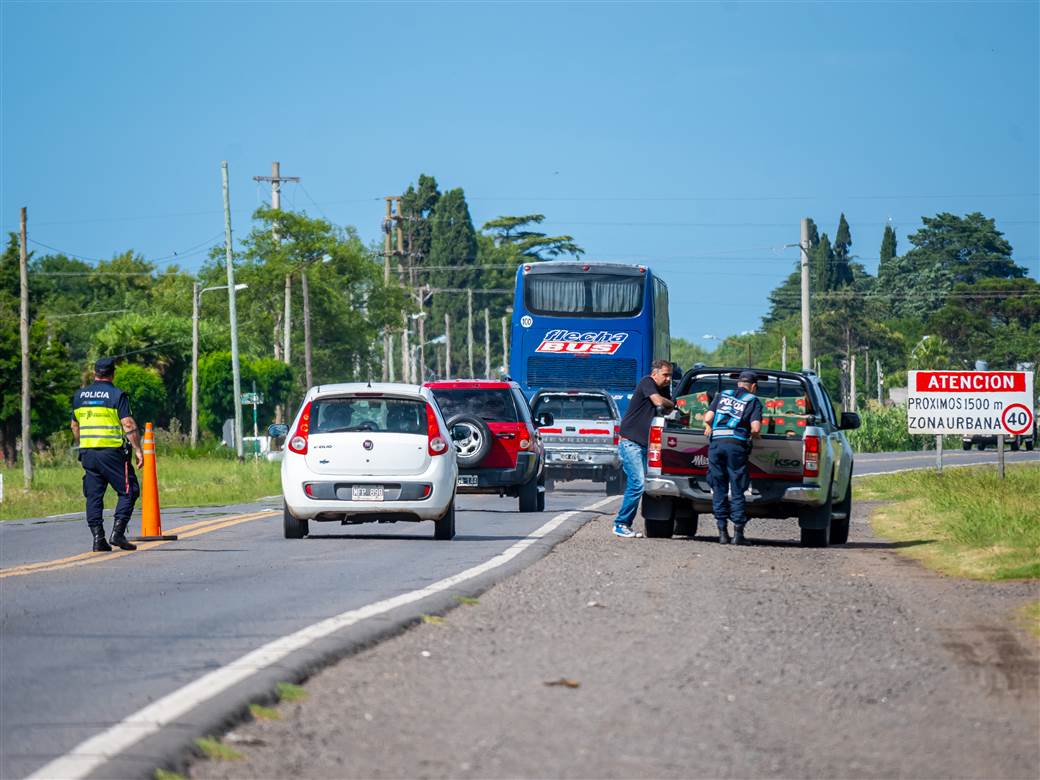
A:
[(417, 206), (453, 242), (840, 273), (821, 265)]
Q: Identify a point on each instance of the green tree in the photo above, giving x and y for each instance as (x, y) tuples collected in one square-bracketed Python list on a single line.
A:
[(454, 244), (888, 248), (417, 206), (146, 390), (686, 353), (530, 244), (947, 250), (840, 274)]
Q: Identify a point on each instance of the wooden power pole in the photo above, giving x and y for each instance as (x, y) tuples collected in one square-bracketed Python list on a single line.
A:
[(23, 271), (469, 324)]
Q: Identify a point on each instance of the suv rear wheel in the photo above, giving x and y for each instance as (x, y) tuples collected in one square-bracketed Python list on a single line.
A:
[(529, 493), (293, 527), (472, 449)]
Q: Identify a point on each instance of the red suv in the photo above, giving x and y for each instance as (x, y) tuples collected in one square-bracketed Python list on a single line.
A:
[(497, 445)]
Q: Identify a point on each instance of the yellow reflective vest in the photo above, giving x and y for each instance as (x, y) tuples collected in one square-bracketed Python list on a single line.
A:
[(98, 409)]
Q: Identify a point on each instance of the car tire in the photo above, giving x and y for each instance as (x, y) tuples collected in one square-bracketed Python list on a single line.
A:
[(686, 522), (658, 517), (293, 527), (1029, 445), (966, 445), (821, 517), (444, 527), (470, 451), (528, 496), (981, 446), (840, 527), (1015, 445)]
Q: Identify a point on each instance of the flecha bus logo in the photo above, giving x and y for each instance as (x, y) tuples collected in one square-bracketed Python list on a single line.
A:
[(569, 342)]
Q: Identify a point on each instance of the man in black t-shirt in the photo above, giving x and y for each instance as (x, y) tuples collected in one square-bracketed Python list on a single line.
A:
[(652, 391)]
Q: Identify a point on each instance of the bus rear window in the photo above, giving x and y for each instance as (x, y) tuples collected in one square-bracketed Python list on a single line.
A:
[(584, 295)]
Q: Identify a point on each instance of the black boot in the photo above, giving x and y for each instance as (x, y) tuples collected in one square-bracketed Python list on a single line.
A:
[(738, 535), (100, 545), (723, 536), (118, 538)]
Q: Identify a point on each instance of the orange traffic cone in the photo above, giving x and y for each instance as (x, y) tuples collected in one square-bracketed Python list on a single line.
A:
[(151, 525)]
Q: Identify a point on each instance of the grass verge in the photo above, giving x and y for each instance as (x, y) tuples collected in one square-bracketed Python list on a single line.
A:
[(215, 750), (1030, 615), (975, 524), (58, 489)]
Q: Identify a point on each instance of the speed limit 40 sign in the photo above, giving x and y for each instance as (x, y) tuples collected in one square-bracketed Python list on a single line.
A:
[(967, 402)]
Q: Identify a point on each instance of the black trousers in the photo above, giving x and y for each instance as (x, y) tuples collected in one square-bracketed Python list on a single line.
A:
[(104, 467)]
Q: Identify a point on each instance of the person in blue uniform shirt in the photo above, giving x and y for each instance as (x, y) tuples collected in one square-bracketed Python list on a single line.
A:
[(106, 434), (652, 391), (731, 422)]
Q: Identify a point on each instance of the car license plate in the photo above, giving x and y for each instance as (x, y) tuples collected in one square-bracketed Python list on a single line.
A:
[(568, 456), (467, 480), (366, 493)]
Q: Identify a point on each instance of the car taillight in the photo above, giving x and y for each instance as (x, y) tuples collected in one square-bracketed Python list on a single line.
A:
[(811, 456), (653, 452), (436, 442), (298, 441), (524, 436), (617, 435)]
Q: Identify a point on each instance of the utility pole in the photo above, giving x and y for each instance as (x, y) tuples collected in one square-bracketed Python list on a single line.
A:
[(783, 355), (469, 325), (422, 336), (487, 344), (236, 376), (388, 366), (852, 382), (877, 371), (505, 346), (387, 222), (306, 328), (447, 345), (195, 295), (866, 372), (806, 342), (276, 180), (23, 322), (405, 361)]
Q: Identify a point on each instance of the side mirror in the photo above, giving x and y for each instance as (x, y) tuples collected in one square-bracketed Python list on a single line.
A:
[(544, 419), (849, 421), (278, 431)]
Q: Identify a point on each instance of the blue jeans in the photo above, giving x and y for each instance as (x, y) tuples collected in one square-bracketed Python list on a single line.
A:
[(728, 468), (633, 463)]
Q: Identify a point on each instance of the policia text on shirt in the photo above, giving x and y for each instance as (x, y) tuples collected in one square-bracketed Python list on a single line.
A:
[(105, 432)]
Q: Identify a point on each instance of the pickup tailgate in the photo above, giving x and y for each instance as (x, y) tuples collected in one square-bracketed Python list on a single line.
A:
[(777, 454)]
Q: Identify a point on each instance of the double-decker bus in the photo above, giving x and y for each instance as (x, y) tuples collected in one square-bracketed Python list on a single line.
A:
[(587, 325)]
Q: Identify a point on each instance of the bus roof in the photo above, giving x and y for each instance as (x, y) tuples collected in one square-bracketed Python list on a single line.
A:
[(571, 266)]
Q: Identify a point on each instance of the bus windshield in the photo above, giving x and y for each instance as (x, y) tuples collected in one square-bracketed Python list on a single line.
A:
[(584, 294)]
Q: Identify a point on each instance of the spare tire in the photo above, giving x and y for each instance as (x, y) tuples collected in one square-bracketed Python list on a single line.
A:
[(472, 449)]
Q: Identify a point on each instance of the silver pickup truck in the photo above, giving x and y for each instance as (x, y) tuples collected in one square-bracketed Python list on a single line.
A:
[(801, 466), (582, 442)]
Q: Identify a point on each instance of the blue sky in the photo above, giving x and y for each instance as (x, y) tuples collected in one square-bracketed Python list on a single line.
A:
[(692, 137)]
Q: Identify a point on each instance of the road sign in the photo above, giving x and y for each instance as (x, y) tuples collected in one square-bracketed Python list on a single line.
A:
[(252, 398), (970, 402)]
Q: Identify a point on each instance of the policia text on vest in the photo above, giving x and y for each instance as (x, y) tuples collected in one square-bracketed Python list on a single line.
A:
[(734, 418), (106, 434)]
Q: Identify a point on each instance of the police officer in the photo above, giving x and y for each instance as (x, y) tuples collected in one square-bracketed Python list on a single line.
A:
[(105, 432), (735, 416)]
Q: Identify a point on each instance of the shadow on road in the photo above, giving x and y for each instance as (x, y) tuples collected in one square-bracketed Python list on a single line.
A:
[(417, 537)]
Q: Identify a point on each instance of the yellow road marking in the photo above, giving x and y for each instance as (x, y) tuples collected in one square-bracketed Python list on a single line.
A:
[(184, 532)]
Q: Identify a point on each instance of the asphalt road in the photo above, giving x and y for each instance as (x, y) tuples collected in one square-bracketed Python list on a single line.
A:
[(94, 638), (680, 658), (89, 639)]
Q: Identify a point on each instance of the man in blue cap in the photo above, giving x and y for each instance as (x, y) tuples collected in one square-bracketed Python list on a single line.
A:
[(734, 418), (105, 432)]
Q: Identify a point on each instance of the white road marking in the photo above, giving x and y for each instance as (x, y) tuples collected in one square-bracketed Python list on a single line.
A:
[(92, 753)]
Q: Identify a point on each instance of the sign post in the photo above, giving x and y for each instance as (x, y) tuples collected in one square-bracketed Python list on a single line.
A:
[(987, 403), (254, 399)]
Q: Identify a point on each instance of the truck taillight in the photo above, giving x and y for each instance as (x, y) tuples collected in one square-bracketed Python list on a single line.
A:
[(436, 443), (298, 441), (811, 456), (617, 435), (653, 452)]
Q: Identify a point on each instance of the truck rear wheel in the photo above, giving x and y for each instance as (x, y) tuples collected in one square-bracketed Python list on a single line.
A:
[(685, 520), (659, 516), (966, 445), (842, 513), (819, 520)]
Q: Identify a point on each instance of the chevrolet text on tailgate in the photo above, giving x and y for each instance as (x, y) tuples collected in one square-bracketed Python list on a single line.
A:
[(800, 467)]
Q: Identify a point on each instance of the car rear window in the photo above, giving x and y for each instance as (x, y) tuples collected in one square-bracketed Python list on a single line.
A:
[(574, 407), (379, 415), (490, 405)]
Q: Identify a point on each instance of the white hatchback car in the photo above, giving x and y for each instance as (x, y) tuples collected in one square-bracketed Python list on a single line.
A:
[(362, 453)]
